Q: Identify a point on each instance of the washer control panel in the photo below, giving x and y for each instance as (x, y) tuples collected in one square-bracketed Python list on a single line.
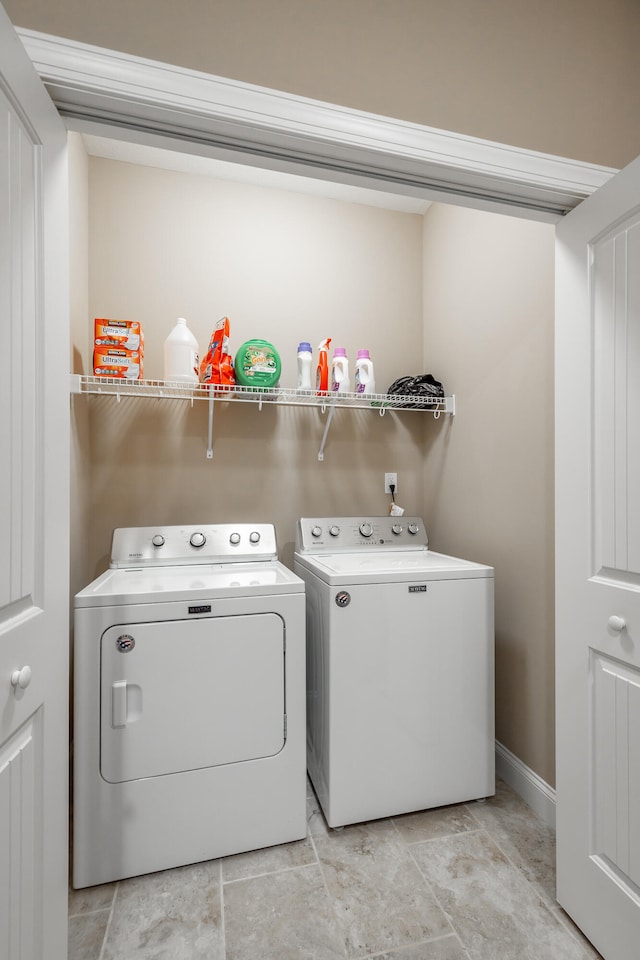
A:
[(205, 543), (353, 534)]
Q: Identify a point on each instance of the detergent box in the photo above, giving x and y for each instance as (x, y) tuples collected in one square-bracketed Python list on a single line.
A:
[(116, 362), (123, 334)]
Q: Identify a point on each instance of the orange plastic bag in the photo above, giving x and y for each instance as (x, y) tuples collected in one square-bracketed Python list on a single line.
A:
[(216, 367)]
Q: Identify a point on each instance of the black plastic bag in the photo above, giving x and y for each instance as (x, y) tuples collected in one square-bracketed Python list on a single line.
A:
[(424, 386)]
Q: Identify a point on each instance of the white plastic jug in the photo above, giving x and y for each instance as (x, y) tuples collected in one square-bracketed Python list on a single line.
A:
[(304, 366), (181, 359), (340, 382), (365, 380)]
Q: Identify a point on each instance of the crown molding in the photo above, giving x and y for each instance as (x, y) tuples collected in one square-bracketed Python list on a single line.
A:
[(117, 94)]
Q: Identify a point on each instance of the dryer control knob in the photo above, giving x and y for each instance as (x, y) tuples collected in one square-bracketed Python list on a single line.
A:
[(158, 540), (396, 528), (316, 531), (334, 531), (413, 528), (197, 539), (234, 538), (254, 537), (366, 529)]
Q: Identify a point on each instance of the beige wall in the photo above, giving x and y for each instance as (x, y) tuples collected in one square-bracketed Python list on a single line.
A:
[(465, 295), (284, 267), (488, 283), (79, 306), (560, 76)]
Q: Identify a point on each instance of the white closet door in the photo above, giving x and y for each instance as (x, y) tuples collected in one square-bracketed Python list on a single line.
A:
[(34, 513), (598, 565)]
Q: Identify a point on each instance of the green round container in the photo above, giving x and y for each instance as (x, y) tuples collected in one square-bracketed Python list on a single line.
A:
[(257, 364)]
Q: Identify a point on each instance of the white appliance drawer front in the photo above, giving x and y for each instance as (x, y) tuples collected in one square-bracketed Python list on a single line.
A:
[(188, 694)]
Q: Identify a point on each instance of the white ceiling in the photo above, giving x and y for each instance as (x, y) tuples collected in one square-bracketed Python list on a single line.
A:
[(257, 176)]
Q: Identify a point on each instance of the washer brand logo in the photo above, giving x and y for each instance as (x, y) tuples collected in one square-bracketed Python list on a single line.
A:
[(418, 588), (203, 608), (343, 599)]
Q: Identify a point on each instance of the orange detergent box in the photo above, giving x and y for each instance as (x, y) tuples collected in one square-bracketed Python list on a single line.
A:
[(118, 334), (118, 362)]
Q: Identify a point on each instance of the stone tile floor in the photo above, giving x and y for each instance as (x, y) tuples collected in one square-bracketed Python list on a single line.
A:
[(473, 881)]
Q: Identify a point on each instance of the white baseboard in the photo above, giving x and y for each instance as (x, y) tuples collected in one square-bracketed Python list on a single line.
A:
[(535, 792)]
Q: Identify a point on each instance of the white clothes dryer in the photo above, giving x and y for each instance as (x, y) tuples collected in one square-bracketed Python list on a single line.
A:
[(400, 669), (189, 710)]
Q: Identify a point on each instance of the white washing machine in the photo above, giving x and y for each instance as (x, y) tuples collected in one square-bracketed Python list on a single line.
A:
[(189, 712), (400, 669)]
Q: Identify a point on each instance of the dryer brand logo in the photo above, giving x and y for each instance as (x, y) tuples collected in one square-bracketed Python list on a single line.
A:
[(418, 588), (125, 643), (343, 599), (202, 608)]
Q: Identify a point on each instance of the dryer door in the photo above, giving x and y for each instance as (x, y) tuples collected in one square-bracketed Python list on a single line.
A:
[(183, 695)]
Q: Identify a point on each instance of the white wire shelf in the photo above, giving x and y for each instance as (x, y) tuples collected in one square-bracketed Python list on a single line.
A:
[(164, 390)]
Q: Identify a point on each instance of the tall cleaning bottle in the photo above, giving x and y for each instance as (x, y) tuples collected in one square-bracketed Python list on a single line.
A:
[(365, 381), (322, 370), (340, 382), (304, 365), (181, 360)]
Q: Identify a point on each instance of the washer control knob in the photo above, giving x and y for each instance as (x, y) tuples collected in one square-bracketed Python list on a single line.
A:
[(316, 531), (254, 537), (334, 530), (366, 529), (158, 540), (413, 528), (197, 539), (234, 538), (396, 528)]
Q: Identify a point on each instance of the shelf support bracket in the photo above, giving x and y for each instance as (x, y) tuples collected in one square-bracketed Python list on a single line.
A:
[(210, 427), (326, 431)]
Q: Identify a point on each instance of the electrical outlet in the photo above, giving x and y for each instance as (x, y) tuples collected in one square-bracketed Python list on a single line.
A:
[(390, 479)]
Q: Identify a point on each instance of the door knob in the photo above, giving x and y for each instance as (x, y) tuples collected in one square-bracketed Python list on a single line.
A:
[(21, 678), (617, 624)]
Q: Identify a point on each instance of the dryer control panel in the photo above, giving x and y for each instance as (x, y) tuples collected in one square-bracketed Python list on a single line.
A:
[(354, 534), (203, 543)]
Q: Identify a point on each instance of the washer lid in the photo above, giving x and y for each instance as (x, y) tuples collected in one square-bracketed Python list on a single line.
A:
[(203, 581), (343, 568)]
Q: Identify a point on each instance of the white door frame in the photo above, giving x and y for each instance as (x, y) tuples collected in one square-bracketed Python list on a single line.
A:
[(130, 98)]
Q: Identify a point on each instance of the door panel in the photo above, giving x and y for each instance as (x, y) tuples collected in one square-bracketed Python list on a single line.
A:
[(598, 565), (616, 397), (615, 765), (19, 803)]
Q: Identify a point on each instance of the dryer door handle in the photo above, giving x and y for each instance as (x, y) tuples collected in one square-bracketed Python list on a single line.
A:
[(126, 703)]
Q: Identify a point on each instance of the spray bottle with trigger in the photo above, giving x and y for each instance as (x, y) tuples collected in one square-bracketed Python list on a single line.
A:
[(322, 370)]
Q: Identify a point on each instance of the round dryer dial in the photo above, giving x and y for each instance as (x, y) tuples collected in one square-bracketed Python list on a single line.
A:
[(234, 538), (197, 539), (316, 531), (334, 530), (413, 528), (366, 529), (157, 540), (254, 537)]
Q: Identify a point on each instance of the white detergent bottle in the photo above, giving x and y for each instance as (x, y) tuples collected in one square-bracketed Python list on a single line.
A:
[(304, 365), (340, 382), (365, 381), (181, 359)]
